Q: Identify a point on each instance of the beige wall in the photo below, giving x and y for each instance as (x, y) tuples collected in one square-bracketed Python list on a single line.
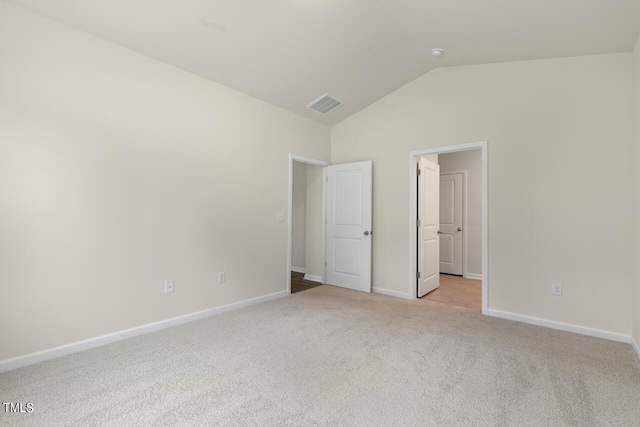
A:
[(313, 262), (299, 215), (432, 158), (118, 172), (560, 172), (470, 161), (636, 217)]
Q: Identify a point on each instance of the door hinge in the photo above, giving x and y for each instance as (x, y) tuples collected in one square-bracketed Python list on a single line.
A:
[(417, 274), (418, 172), (418, 223)]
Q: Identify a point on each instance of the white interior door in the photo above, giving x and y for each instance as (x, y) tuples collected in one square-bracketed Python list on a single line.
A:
[(349, 233), (451, 208), (429, 221)]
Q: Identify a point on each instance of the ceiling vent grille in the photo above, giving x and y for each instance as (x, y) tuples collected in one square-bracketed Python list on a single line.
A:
[(325, 104)]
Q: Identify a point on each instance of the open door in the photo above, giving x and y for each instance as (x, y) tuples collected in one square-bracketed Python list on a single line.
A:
[(428, 226), (349, 233)]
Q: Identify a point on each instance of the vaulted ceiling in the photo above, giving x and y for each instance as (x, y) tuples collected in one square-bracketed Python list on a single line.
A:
[(290, 52)]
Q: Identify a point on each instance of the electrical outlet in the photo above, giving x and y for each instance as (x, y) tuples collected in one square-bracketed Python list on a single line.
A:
[(297, 251), (168, 286), (556, 289), (222, 277), (280, 217)]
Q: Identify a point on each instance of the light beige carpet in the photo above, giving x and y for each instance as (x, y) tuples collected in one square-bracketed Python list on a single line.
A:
[(331, 357)]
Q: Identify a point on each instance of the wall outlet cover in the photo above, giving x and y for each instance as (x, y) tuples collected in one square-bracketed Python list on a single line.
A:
[(168, 286)]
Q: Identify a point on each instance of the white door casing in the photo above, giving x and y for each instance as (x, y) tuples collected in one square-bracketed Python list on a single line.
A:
[(429, 221), (451, 223), (412, 244), (349, 221)]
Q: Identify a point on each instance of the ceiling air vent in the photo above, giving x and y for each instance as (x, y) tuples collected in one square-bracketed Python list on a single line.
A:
[(325, 104)]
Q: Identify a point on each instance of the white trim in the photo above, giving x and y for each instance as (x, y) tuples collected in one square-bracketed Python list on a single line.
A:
[(52, 353), (324, 225), (485, 227), (313, 278), (465, 222), (635, 346), (309, 161), (391, 293), (473, 276), (561, 326), (298, 269), (483, 145)]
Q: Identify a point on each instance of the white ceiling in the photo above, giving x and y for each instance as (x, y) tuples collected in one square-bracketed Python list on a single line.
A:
[(289, 52)]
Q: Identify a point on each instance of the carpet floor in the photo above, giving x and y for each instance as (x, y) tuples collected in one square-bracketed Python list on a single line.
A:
[(333, 357)]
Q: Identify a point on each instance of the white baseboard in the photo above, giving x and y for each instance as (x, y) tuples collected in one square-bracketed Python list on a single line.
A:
[(561, 326), (391, 293), (298, 269), (473, 276), (312, 278), (41, 356), (636, 347)]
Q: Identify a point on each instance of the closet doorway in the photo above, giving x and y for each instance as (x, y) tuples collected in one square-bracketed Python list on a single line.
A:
[(306, 246)]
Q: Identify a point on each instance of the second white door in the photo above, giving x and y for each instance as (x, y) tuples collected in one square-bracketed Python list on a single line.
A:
[(428, 221), (451, 223)]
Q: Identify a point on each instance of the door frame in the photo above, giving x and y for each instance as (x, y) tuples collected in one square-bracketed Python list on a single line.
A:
[(464, 217), (323, 165), (413, 216)]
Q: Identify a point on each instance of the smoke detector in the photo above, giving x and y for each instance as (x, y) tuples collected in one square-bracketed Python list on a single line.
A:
[(436, 51), (325, 104)]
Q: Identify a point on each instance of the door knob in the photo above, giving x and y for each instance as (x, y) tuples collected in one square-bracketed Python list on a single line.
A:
[(459, 229), (439, 232), (366, 233)]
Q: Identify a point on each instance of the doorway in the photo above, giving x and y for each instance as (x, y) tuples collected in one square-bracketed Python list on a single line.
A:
[(306, 224), (345, 240), (448, 249)]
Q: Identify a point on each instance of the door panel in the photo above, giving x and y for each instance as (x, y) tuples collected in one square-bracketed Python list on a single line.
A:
[(349, 196), (428, 215), (446, 249), (348, 258), (348, 187), (447, 195), (430, 251), (451, 208)]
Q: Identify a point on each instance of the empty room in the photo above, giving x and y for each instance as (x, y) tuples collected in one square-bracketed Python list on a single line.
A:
[(247, 212)]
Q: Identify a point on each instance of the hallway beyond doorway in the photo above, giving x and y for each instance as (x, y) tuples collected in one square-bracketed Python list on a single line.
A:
[(458, 292), (298, 283)]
